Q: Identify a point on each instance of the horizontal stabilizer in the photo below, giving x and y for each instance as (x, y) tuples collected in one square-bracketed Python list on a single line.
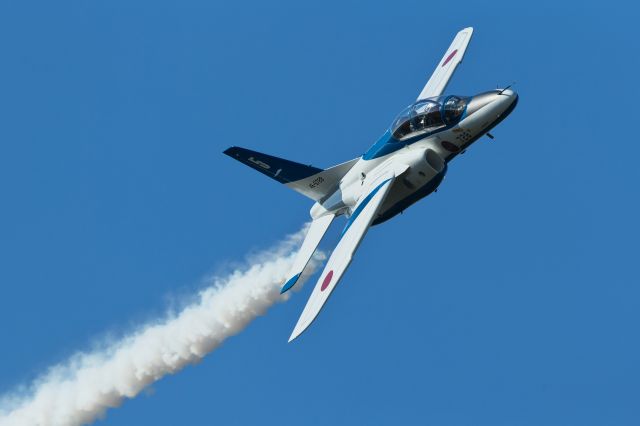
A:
[(317, 229), (310, 181), (284, 171)]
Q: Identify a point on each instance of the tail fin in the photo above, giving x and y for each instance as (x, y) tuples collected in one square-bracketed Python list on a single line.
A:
[(310, 181)]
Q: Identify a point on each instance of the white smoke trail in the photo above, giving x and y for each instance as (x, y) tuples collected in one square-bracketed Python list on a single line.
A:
[(82, 389)]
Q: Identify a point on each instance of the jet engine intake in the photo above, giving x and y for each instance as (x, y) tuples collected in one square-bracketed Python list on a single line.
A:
[(434, 161), (424, 166)]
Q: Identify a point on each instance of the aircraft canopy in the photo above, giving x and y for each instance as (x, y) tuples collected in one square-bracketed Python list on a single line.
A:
[(427, 115)]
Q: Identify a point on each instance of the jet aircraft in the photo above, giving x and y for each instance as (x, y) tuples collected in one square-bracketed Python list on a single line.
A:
[(406, 164)]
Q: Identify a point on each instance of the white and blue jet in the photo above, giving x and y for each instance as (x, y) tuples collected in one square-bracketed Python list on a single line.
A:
[(406, 164)]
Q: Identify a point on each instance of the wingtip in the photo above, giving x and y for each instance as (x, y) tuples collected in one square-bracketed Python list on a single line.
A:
[(302, 326), (467, 30), (294, 335), (290, 283)]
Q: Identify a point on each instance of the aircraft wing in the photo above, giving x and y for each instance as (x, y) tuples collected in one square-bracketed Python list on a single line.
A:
[(350, 239), (447, 66), (317, 229)]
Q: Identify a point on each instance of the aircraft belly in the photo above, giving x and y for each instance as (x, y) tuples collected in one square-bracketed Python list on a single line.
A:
[(401, 196)]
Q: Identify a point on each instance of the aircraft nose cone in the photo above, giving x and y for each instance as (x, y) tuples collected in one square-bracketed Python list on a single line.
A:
[(508, 92), (481, 100), (496, 101), (508, 98), (511, 95)]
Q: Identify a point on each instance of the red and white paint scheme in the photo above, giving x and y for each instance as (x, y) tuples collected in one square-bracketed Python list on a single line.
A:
[(405, 165)]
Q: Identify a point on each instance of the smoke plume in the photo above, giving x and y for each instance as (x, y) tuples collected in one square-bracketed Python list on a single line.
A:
[(80, 390)]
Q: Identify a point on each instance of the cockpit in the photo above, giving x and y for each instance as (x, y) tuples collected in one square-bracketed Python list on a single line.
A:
[(428, 115)]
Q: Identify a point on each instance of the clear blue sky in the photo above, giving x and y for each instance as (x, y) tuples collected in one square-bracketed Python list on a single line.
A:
[(511, 296)]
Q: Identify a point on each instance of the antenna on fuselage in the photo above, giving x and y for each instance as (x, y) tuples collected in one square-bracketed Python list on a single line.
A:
[(508, 87)]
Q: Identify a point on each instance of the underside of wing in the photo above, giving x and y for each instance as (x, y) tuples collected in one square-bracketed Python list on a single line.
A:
[(447, 66), (340, 259), (316, 231)]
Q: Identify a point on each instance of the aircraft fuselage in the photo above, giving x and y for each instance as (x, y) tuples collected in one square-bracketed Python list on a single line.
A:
[(425, 157), (407, 163)]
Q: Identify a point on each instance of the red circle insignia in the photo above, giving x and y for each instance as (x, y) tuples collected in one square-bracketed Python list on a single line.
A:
[(450, 57), (449, 146), (327, 281)]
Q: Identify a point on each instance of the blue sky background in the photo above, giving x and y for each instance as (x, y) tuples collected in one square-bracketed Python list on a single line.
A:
[(509, 297)]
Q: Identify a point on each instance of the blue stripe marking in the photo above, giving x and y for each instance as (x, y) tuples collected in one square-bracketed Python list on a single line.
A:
[(290, 283), (361, 206), (388, 144)]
